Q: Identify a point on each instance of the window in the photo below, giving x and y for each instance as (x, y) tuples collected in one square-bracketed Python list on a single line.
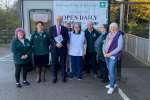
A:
[(43, 15)]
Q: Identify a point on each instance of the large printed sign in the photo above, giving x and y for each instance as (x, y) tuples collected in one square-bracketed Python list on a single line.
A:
[(82, 11)]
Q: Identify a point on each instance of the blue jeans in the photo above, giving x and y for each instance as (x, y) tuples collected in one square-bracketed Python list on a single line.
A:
[(76, 61), (111, 64)]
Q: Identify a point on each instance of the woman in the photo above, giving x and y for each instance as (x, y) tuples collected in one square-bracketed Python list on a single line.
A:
[(40, 42), (112, 52), (98, 48), (21, 49), (77, 48)]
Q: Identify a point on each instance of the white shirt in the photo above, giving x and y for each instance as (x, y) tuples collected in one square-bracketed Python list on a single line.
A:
[(22, 42), (57, 28)]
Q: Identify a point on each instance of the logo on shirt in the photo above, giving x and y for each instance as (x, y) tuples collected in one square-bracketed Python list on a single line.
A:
[(36, 36), (44, 36), (28, 44), (94, 35)]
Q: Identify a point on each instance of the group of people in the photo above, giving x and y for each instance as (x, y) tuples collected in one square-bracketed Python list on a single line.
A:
[(70, 44)]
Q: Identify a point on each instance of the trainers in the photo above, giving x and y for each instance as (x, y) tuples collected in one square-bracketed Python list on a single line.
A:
[(79, 77), (26, 83), (72, 77), (108, 86), (18, 85), (110, 91)]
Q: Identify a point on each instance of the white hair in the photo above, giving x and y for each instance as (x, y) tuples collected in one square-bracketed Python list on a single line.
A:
[(90, 21), (113, 23), (59, 16)]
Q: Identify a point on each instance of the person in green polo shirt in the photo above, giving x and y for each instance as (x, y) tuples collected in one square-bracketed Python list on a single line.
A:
[(91, 35), (98, 48), (68, 25), (21, 49), (40, 43)]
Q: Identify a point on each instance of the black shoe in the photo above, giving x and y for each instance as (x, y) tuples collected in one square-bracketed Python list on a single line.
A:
[(72, 77), (18, 85), (26, 83), (104, 81), (79, 77), (66, 75), (54, 80), (63, 80)]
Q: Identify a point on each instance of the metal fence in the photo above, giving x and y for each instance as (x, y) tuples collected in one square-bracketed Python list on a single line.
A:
[(137, 46)]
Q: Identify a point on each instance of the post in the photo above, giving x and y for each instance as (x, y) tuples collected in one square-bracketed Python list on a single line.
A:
[(109, 4), (121, 29), (148, 58), (126, 48), (121, 16)]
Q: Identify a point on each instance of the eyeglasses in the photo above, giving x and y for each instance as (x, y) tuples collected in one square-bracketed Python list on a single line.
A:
[(101, 27)]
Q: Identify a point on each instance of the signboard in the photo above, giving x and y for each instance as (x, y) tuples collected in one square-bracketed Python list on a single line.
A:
[(41, 17), (82, 11)]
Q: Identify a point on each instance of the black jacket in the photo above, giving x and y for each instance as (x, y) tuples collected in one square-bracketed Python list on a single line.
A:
[(53, 34)]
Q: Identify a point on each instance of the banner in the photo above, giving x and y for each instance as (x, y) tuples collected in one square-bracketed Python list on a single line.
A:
[(82, 11)]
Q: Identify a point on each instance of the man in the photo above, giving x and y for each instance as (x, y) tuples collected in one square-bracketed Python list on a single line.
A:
[(58, 48), (91, 35), (68, 25)]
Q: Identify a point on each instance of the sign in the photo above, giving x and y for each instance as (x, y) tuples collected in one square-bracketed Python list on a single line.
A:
[(41, 17), (82, 12)]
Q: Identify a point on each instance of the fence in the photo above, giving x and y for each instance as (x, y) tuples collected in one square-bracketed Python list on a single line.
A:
[(138, 46), (6, 36)]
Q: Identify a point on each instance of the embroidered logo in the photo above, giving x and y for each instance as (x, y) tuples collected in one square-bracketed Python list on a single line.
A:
[(28, 44), (36, 36), (94, 35), (44, 36)]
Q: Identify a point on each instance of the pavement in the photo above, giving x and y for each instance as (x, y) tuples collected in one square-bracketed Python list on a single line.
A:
[(134, 84)]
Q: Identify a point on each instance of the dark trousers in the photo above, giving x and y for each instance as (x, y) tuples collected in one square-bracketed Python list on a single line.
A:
[(76, 61), (55, 63), (104, 70), (90, 57), (18, 70)]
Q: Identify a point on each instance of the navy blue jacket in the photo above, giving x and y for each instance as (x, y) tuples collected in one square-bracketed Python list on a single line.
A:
[(53, 34)]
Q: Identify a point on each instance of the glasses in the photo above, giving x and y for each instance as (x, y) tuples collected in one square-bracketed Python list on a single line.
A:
[(76, 27), (101, 27)]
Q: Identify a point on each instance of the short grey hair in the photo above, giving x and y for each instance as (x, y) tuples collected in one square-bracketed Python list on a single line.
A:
[(90, 21), (113, 23), (77, 24), (59, 16)]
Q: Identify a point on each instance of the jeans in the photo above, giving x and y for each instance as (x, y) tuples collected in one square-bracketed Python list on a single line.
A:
[(90, 57), (111, 64), (18, 70), (76, 61)]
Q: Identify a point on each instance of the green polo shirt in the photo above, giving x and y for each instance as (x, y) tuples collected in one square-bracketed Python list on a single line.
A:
[(91, 38), (18, 49), (40, 43), (101, 56)]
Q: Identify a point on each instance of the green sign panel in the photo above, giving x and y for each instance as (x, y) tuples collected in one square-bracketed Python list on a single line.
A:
[(102, 4)]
